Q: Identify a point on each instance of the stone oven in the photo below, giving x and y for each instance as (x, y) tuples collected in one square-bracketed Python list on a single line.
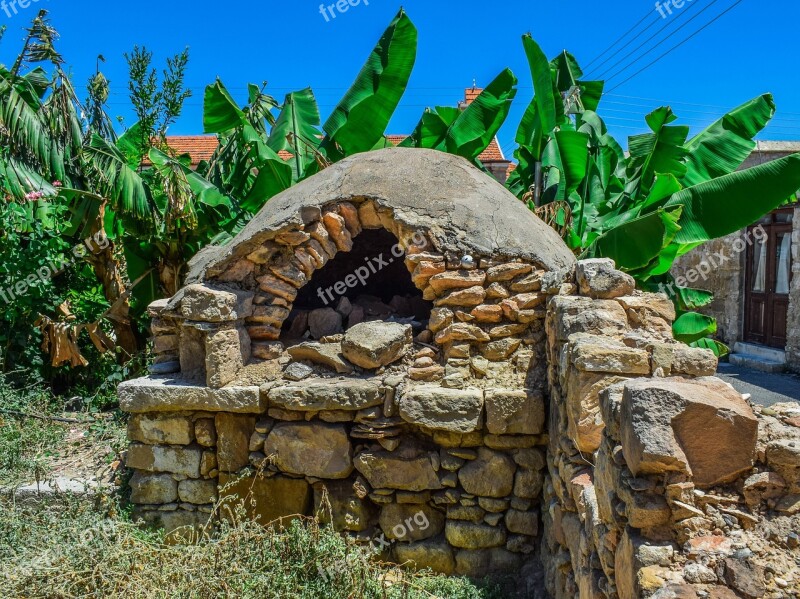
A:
[(401, 347)]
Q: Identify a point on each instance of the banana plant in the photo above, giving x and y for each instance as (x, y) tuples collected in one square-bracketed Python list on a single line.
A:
[(669, 195)]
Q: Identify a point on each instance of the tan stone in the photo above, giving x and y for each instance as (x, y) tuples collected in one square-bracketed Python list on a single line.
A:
[(433, 555), (227, 351), (507, 330), (337, 229), (408, 523), (488, 313), (271, 350), (277, 499), (375, 344), (208, 304), (527, 284), (350, 215), (327, 354), (457, 279), (338, 499), (290, 272), (467, 535), (654, 304), (514, 412), (437, 408), (205, 433), (584, 315), (468, 298), (497, 291), (440, 318), (310, 448), (275, 286), (592, 353), (154, 429), (462, 331), (292, 237), (408, 468), (233, 440), (698, 426), (692, 361), (599, 279), (507, 272), (525, 523), (263, 333), (426, 269), (313, 395), (783, 456), (500, 350), (490, 475), (271, 315), (528, 483), (157, 458), (153, 488), (198, 492), (368, 215)]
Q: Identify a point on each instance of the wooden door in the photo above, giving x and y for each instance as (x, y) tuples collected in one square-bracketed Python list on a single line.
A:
[(768, 280)]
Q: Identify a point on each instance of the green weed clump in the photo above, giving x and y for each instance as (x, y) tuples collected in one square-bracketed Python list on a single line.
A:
[(73, 548)]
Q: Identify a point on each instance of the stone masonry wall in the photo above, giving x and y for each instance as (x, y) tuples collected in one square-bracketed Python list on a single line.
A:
[(366, 427), (662, 482)]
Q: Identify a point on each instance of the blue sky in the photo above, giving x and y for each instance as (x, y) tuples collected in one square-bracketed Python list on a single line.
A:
[(751, 50)]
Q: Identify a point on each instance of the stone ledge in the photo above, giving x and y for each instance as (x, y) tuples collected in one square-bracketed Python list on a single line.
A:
[(171, 394), (313, 395)]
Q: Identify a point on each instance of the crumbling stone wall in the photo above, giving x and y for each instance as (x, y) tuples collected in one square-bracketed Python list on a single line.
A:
[(793, 319), (542, 421), (659, 484)]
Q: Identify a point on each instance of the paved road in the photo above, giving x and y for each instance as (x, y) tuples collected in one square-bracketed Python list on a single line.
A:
[(766, 389)]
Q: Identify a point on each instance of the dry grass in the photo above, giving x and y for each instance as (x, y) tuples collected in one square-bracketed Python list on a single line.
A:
[(70, 548)]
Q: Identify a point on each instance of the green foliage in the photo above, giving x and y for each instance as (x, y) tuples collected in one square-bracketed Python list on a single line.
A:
[(669, 195)]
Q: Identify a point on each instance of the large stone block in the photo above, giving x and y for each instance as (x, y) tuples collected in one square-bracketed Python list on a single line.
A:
[(227, 351), (198, 491), (701, 427), (311, 449), (336, 502), (584, 416), (375, 344), (584, 315), (277, 499), (438, 408), (208, 304), (433, 555), (593, 353), (154, 489), (514, 412), (408, 523), (467, 535), (174, 394), (157, 458), (233, 440), (408, 468), (598, 278), (490, 475), (155, 429), (314, 395)]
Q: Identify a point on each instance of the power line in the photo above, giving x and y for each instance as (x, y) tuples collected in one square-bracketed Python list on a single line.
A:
[(619, 39), (706, 26), (643, 44)]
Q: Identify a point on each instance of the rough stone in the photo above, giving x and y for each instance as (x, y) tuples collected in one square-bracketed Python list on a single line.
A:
[(599, 279), (700, 427), (327, 354), (157, 458), (376, 344), (592, 353), (233, 440), (267, 500), (408, 523), (745, 577), (171, 394), (314, 395), (512, 412), (408, 468), (490, 475), (526, 523), (153, 488), (311, 449), (324, 322), (154, 429), (209, 304), (457, 279), (339, 500), (197, 492), (438, 408), (467, 535), (434, 555)]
